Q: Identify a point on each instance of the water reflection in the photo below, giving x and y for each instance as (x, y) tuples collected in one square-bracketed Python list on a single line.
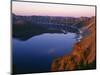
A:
[(37, 53)]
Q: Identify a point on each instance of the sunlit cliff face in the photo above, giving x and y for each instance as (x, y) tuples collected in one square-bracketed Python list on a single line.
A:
[(83, 55), (29, 8)]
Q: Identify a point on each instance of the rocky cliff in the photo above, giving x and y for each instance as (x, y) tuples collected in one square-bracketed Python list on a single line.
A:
[(83, 55)]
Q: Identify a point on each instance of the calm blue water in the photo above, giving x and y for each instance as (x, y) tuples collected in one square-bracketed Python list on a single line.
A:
[(37, 53)]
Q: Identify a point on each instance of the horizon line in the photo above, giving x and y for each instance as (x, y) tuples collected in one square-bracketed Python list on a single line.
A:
[(51, 16)]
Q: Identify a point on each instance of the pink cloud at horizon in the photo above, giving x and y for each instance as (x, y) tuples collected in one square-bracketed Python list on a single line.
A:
[(28, 8)]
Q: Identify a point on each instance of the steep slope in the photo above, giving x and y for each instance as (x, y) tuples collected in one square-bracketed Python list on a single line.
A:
[(83, 55)]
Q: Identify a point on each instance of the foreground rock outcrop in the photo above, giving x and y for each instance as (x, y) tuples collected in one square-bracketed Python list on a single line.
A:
[(83, 55)]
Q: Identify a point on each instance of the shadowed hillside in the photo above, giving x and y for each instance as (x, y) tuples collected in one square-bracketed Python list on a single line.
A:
[(25, 27), (83, 55)]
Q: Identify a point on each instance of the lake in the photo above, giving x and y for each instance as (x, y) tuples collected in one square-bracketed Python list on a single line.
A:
[(37, 53)]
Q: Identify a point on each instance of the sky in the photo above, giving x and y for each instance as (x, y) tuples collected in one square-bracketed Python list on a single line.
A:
[(43, 9)]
